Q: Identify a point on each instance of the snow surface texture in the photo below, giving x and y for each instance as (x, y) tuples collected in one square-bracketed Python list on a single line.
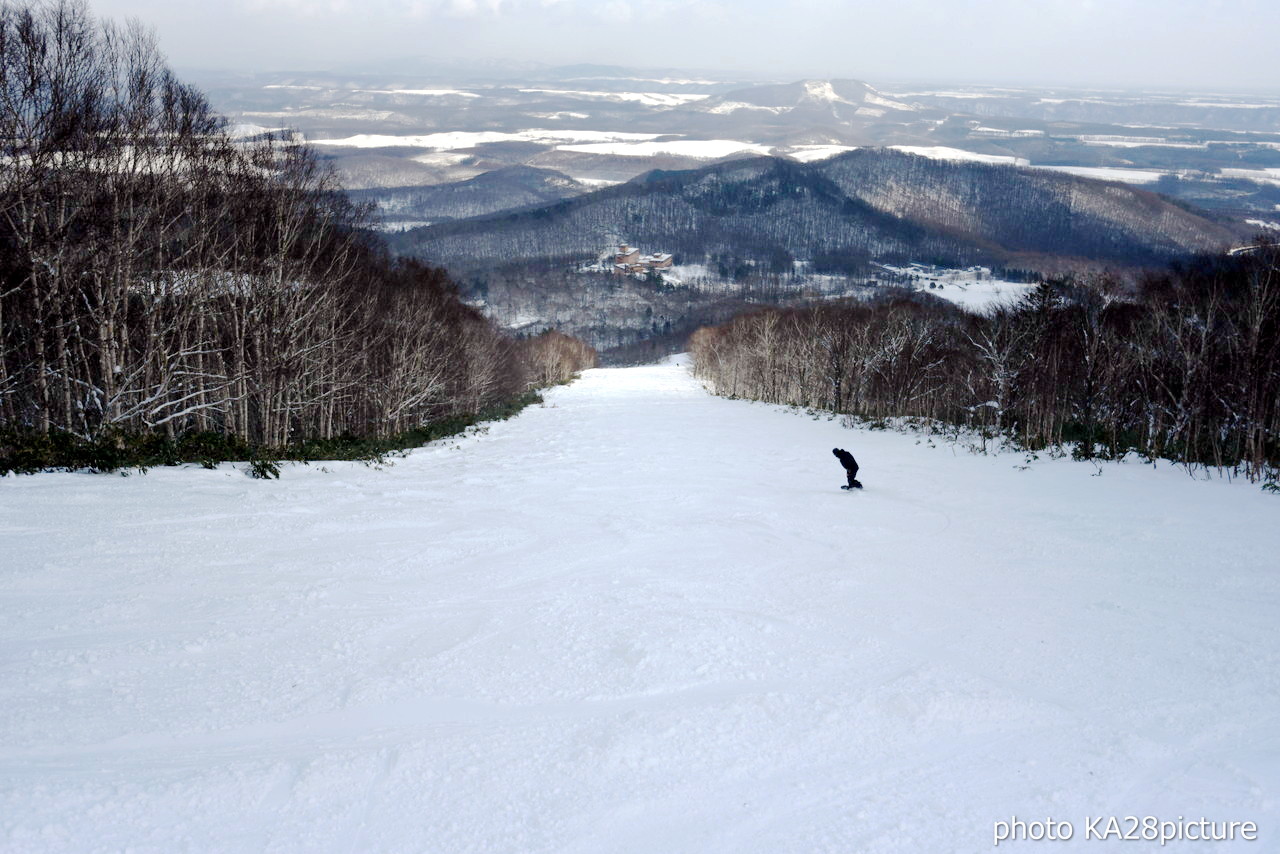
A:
[(638, 618)]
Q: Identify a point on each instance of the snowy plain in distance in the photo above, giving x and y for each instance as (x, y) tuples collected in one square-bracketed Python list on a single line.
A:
[(636, 618)]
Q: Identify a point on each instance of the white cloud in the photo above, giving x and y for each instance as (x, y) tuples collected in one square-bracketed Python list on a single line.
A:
[(1179, 43), (618, 10), (384, 8)]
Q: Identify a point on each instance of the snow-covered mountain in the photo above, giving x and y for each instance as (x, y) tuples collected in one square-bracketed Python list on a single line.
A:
[(843, 101), (605, 124), (883, 205), (774, 230)]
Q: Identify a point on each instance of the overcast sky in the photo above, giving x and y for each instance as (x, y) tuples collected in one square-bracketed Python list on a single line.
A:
[(1173, 44)]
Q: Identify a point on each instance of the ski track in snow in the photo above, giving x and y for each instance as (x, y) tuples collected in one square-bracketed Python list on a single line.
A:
[(637, 618)]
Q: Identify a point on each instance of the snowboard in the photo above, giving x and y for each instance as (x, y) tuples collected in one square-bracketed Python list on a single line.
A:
[(854, 485)]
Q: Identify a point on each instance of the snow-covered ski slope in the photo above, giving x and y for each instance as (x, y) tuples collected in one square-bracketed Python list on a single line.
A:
[(636, 619)]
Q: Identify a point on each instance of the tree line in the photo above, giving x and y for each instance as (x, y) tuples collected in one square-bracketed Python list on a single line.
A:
[(159, 276), (1182, 365)]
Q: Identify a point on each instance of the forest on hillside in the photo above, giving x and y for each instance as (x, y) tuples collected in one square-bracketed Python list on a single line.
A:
[(1185, 366), (861, 207), (160, 279)]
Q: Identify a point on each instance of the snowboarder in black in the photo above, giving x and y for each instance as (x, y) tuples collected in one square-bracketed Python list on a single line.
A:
[(850, 467)]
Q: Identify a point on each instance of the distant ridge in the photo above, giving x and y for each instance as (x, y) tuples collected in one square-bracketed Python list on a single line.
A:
[(845, 100), (874, 204), (497, 190)]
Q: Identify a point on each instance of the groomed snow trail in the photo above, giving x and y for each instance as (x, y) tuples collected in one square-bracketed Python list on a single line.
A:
[(641, 619)]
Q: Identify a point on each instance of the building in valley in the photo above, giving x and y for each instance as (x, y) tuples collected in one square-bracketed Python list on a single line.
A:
[(628, 261)]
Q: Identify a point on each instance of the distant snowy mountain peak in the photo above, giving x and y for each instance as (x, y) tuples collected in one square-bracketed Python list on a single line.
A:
[(880, 99), (822, 91), (844, 99), (725, 107)]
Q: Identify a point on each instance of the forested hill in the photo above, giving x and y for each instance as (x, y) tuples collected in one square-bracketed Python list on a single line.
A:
[(866, 205), (490, 192)]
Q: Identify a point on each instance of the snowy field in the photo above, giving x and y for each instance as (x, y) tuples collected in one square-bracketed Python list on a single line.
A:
[(704, 148), (980, 295), (453, 140), (974, 289), (942, 152), (636, 619), (1109, 173)]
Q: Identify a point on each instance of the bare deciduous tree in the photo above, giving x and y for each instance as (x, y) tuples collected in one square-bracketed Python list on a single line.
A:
[(1187, 367), (159, 276)]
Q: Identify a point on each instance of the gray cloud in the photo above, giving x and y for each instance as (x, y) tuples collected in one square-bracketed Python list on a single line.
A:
[(1166, 43)]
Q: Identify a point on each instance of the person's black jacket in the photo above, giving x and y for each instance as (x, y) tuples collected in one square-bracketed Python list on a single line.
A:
[(850, 467), (846, 459)]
